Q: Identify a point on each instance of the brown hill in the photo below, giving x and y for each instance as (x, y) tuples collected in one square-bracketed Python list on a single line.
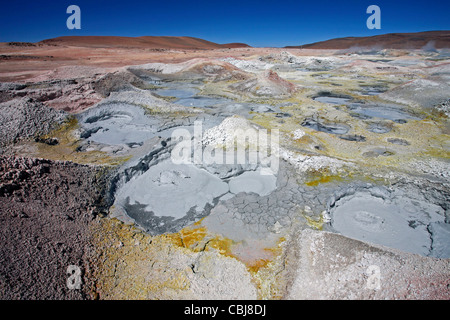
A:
[(235, 45), (417, 40), (153, 42)]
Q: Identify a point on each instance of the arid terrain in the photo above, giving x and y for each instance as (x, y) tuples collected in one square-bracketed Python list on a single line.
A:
[(120, 156), (429, 40)]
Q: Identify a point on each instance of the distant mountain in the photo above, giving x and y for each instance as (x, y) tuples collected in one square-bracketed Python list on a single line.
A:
[(235, 45), (417, 40), (153, 42)]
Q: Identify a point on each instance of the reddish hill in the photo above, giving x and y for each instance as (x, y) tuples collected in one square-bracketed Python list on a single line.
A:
[(235, 45), (417, 40), (154, 42)]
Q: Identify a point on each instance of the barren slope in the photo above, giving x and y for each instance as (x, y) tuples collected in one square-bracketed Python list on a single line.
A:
[(439, 39), (138, 42)]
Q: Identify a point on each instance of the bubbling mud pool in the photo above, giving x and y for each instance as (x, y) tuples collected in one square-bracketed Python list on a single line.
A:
[(165, 197), (187, 94), (396, 219), (117, 123)]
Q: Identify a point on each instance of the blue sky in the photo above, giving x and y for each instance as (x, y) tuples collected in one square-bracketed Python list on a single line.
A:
[(258, 23)]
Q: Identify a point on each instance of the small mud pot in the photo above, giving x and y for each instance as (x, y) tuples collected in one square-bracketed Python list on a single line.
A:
[(405, 219)]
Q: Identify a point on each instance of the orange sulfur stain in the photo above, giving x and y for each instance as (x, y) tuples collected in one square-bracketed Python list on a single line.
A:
[(323, 179), (197, 238), (254, 266)]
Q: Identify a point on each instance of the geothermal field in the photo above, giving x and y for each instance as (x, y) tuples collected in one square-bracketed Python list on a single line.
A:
[(190, 170)]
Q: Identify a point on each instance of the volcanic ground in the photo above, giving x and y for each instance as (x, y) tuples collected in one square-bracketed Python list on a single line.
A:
[(223, 172)]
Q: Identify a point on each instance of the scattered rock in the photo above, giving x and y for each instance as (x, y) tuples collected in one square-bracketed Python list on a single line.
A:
[(38, 247), (49, 141)]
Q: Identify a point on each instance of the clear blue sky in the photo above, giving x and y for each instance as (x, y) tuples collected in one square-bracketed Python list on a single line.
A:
[(258, 23)]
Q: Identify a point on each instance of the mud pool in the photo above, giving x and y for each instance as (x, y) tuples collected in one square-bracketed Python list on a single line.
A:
[(164, 197), (392, 112), (333, 128), (394, 219), (187, 94), (117, 123), (332, 99), (379, 127)]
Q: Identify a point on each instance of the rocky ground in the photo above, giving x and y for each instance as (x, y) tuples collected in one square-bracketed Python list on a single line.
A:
[(46, 210), (349, 200)]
